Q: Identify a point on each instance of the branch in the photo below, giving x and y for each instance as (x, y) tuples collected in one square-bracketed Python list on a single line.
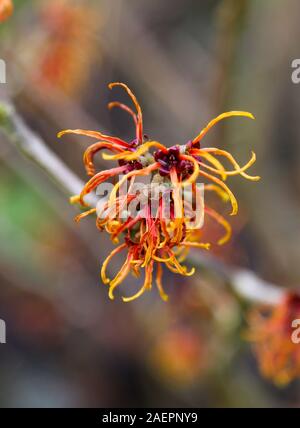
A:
[(34, 148), (243, 282)]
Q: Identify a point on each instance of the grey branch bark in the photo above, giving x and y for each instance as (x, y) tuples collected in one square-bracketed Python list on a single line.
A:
[(244, 282)]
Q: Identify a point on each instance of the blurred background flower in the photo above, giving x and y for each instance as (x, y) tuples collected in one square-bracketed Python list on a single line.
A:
[(271, 330), (6, 9)]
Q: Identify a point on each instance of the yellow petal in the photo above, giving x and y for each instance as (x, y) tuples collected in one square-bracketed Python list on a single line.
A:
[(221, 220), (225, 188), (193, 177), (217, 119), (211, 159), (158, 281), (130, 156), (146, 285), (107, 260), (231, 160)]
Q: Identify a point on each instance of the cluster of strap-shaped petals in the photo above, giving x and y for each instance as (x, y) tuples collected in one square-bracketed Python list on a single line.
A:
[(152, 240)]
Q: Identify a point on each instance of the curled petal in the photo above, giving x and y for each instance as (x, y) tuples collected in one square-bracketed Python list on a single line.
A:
[(94, 134), (211, 159), (204, 245), (85, 214), (146, 286), (237, 170), (225, 188), (178, 267), (98, 179), (231, 160), (139, 128), (90, 152), (107, 260), (123, 107), (158, 281), (218, 119), (121, 275), (130, 156), (212, 187), (112, 226)]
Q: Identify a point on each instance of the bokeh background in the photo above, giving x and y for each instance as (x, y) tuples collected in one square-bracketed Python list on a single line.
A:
[(187, 61)]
